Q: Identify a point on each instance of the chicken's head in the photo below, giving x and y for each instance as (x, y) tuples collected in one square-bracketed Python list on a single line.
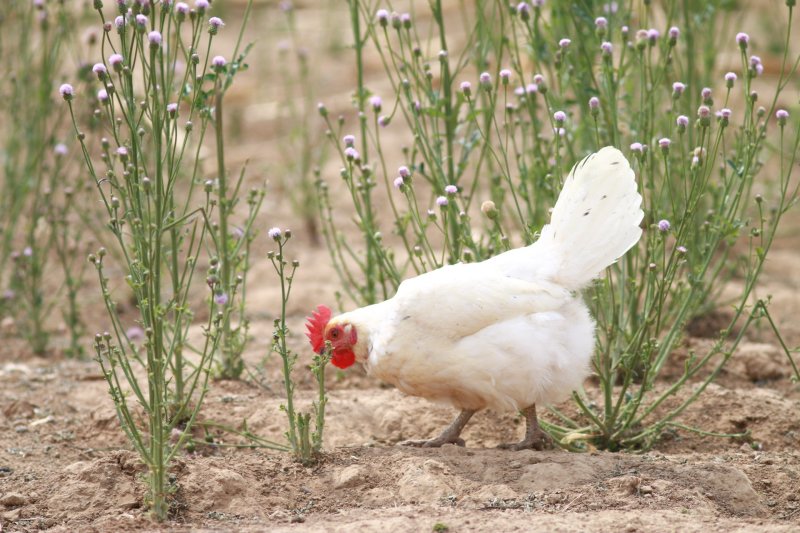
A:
[(342, 336)]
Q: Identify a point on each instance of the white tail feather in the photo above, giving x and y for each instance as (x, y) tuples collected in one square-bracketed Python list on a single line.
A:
[(594, 222)]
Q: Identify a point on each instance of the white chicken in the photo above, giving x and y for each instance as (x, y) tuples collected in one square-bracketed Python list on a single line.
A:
[(507, 333)]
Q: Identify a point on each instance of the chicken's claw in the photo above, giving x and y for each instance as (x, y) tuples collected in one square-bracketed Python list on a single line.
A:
[(538, 441)]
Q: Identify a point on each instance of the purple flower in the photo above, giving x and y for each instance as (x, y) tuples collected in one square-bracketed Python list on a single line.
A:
[(782, 115), (559, 132), (564, 43), (531, 88), (637, 147), (653, 35), (201, 5), (172, 109), (674, 32), (756, 68), (725, 113), (663, 226), (349, 140), (215, 23), (451, 190), (122, 152), (100, 70), (182, 8), (505, 76), (115, 60), (376, 103), (743, 39), (141, 21), (67, 91), (705, 94), (524, 11), (119, 22), (383, 17), (441, 201), (383, 121), (155, 39), (703, 111), (682, 121), (352, 154), (486, 79), (218, 62), (681, 250), (664, 143), (405, 19), (221, 298), (27, 251), (538, 79), (398, 182), (135, 333), (611, 7), (600, 23), (466, 88), (559, 117), (60, 149), (404, 172), (607, 48), (594, 103), (102, 95), (678, 88), (274, 233)]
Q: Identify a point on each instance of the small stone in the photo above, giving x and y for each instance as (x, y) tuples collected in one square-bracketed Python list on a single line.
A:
[(626, 484), (129, 503), (11, 516), (46, 420), (352, 476), (13, 499), (21, 429), (646, 489), (555, 498)]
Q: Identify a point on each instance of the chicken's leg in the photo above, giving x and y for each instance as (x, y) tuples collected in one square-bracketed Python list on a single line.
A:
[(450, 435), (535, 438)]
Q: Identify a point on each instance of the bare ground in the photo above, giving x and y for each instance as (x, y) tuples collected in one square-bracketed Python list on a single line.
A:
[(65, 466)]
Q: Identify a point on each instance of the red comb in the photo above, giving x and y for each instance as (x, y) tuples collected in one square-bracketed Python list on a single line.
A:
[(316, 327)]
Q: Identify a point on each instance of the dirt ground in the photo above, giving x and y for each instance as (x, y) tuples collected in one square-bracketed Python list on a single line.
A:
[(65, 465)]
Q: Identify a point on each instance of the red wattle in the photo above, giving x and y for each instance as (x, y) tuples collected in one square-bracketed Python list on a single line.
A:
[(343, 358)]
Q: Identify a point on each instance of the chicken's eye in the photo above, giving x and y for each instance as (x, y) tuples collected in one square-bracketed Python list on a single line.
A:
[(335, 333)]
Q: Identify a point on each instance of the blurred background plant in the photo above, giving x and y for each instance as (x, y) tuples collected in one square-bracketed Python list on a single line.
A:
[(302, 144), (38, 183), (494, 127)]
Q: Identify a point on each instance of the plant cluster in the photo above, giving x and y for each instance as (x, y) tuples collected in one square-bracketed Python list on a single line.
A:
[(493, 129), (37, 204), (160, 89)]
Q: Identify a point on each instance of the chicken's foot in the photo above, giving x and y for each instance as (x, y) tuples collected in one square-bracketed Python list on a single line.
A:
[(451, 435), (535, 438)]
